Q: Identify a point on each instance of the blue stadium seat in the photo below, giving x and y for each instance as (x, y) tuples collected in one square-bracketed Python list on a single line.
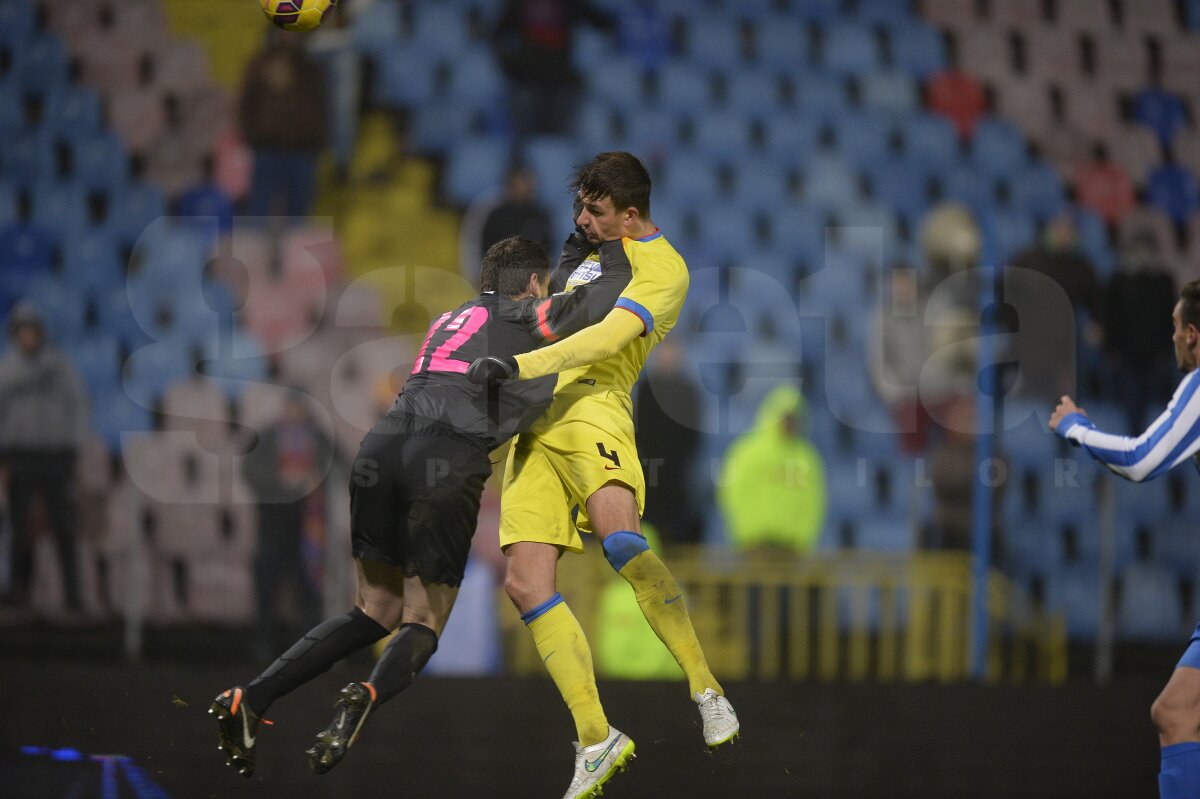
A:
[(438, 126), (13, 121), (442, 30), (848, 389), (752, 93), (72, 112), (712, 42), (821, 94), (135, 209), (830, 184), (207, 201), (26, 251), (868, 230), (863, 138), (892, 91), (474, 166), (1037, 189), (651, 131), (1174, 191), (728, 232), (884, 12), (619, 85), (781, 45), (760, 184), (150, 369), (874, 534), (552, 160), (595, 126), (42, 64), (121, 416), (476, 80), (687, 180), (92, 261), (1150, 608), (1161, 111), (116, 318), (720, 136), (850, 48), (1030, 545), (682, 88), (1177, 547), (918, 49), (28, 158), (8, 203), (929, 140), (1093, 240), (903, 186), (404, 75), (822, 11), (998, 148), (1075, 590), (377, 28), (61, 208), (1014, 231), (100, 163), (18, 22), (962, 182), (791, 139), (798, 232), (61, 305), (97, 357)]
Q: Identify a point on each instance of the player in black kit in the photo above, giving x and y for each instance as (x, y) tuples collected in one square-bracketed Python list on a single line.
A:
[(415, 490)]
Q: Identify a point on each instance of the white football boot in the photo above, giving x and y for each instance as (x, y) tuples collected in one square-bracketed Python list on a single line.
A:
[(595, 764), (720, 721)]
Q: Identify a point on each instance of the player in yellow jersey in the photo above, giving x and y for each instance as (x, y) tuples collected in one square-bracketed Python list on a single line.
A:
[(582, 453)]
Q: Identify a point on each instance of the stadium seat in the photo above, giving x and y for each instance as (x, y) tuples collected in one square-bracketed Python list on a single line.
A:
[(953, 14), (1053, 54), (234, 361), (476, 81), (8, 202), (73, 111), (377, 29), (985, 53), (884, 13), (1174, 191), (28, 158), (1138, 150), (752, 94), (59, 208), (821, 94), (1122, 62), (197, 398), (798, 232), (1084, 16), (1191, 15), (1105, 189), (438, 126), (722, 138), (474, 166), (685, 180), (1094, 111), (405, 75), (106, 65), (791, 139), (179, 68), (619, 85), (760, 184), (849, 48), (18, 22), (62, 306), (137, 115), (1074, 590), (893, 91), (863, 138), (712, 42), (1093, 240), (929, 141), (1153, 17), (830, 184), (998, 148), (100, 163), (1150, 607), (963, 182), (122, 416), (683, 89), (917, 49), (1038, 190), (442, 30), (1162, 112), (1180, 63), (652, 132), (1027, 103), (903, 186), (728, 233), (97, 357), (1013, 231), (781, 46), (1020, 14), (42, 65), (150, 369)]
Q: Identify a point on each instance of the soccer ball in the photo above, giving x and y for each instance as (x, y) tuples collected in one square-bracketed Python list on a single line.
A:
[(297, 15)]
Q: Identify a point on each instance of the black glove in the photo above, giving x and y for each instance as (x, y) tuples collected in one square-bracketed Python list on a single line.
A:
[(490, 370), (578, 238)]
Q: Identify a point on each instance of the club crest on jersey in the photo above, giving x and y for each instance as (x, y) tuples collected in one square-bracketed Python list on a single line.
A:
[(586, 272)]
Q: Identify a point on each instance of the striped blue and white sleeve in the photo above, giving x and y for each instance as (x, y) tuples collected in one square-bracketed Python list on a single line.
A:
[(1173, 437)]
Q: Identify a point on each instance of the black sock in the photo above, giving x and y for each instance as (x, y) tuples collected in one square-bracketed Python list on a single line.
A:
[(320, 648), (402, 660)]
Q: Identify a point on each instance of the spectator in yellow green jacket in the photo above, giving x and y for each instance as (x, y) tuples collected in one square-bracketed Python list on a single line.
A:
[(772, 488)]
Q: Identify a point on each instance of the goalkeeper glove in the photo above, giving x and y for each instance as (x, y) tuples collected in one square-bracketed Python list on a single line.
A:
[(490, 370)]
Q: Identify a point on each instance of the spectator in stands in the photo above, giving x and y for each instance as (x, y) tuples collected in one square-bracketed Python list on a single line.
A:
[(283, 113), (286, 470), (772, 488), (667, 414), (955, 474), (1040, 311), (517, 214), (533, 43), (43, 424), (1140, 373), (1104, 187)]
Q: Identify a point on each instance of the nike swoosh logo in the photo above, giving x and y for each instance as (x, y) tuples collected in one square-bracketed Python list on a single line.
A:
[(548, 656), (592, 765), (673, 599), (247, 738), (610, 468)]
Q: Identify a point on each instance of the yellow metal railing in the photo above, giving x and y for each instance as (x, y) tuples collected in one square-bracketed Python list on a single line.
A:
[(832, 615)]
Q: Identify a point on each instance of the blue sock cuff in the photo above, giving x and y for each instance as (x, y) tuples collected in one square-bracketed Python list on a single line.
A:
[(622, 547), (1180, 749), (541, 610)]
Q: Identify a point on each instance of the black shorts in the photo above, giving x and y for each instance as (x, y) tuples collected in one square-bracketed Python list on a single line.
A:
[(415, 487)]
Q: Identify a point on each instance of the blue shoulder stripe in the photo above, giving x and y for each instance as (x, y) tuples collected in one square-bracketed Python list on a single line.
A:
[(639, 309)]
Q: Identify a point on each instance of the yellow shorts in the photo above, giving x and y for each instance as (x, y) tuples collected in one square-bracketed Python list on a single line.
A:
[(583, 441)]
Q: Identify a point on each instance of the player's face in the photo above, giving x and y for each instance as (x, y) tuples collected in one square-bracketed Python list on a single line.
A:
[(600, 219), (1184, 339)]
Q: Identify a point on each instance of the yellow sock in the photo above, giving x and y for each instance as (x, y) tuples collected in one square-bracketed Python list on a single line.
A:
[(568, 658), (662, 604)]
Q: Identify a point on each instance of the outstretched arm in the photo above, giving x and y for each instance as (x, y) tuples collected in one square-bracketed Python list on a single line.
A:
[(1174, 436), (560, 315)]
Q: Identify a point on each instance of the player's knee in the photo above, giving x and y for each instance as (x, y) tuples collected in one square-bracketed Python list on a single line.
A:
[(383, 611), (525, 592)]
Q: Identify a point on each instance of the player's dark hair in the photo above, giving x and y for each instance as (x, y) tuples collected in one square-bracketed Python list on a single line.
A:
[(508, 264), (618, 175), (1189, 304)]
